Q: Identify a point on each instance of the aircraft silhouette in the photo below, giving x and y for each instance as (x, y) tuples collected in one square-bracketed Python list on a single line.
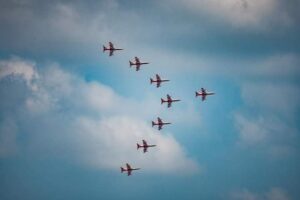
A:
[(137, 63), (159, 123), (158, 81), (203, 93), (128, 169), (111, 49), (169, 100), (145, 146)]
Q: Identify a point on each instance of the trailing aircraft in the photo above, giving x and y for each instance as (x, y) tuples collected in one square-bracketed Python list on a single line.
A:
[(203, 93), (128, 169), (145, 146), (137, 63), (158, 80), (169, 100), (111, 49), (159, 123)]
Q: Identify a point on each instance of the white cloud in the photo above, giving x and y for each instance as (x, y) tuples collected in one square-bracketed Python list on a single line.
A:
[(90, 124), (18, 67), (251, 132), (274, 193)]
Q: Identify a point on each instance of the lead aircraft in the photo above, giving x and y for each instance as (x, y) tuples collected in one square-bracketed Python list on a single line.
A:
[(110, 48), (128, 169), (137, 63)]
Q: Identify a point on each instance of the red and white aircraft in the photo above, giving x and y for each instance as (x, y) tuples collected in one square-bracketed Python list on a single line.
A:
[(169, 100), (144, 146), (137, 63), (159, 123), (158, 80), (111, 49), (203, 93), (128, 169)]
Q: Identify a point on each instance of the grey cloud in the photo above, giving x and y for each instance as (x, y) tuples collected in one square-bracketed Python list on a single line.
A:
[(274, 193)]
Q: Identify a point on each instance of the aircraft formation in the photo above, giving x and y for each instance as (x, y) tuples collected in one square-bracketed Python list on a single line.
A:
[(158, 81)]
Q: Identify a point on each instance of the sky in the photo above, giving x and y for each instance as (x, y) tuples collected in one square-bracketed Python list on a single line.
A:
[(70, 115)]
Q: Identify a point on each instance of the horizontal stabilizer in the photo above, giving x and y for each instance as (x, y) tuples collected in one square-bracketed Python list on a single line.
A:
[(130, 63)]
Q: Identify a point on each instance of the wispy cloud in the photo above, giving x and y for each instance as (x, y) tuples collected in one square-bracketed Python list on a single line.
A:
[(275, 193), (268, 118)]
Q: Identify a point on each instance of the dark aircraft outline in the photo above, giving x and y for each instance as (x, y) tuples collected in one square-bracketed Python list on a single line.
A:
[(128, 169), (111, 49), (203, 94), (159, 123), (158, 80), (137, 63), (145, 146), (169, 100)]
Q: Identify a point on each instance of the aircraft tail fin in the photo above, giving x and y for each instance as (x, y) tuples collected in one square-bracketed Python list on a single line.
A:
[(104, 48), (130, 63), (196, 94), (122, 169), (138, 146), (153, 123), (162, 101), (151, 81)]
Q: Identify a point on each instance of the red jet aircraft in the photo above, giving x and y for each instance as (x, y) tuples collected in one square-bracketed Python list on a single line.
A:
[(137, 63), (144, 146), (111, 49), (203, 93), (159, 123), (169, 100), (128, 169), (158, 81)]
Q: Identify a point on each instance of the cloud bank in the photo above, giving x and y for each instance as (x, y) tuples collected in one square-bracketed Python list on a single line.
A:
[(88, 123)]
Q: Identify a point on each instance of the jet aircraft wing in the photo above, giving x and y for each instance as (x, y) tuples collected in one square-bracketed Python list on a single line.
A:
[(145, 143), (128, 166), (169, 104), (159, 126), (203, 90), (159, 120), (158, 78), (137, 60), (145, 149), (111, 46), (169, 97)]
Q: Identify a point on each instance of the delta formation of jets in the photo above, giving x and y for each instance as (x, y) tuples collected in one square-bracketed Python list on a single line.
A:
[(137, 63)]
